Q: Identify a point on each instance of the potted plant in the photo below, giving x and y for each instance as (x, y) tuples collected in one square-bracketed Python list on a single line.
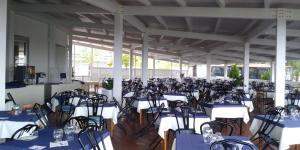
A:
[(107, 85), (235, 75)]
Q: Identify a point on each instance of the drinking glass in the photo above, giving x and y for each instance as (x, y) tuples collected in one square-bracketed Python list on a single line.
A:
[(207, 131), (69, 132), (58, 134)]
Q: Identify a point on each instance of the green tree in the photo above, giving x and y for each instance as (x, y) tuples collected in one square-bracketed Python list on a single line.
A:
[(266, 75), (125, 61), (295, 64), (234, 72)]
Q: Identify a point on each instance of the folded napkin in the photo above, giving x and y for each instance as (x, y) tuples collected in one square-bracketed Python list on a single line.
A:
[(37, 147), (28, 138), (59, 144)]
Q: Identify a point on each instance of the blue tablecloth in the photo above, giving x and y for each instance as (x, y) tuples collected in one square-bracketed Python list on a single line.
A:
[(186, 141), (167, 113), (5, 115), (44, 139), (216, 105), (243, 99), (146, 99), (286, 123)]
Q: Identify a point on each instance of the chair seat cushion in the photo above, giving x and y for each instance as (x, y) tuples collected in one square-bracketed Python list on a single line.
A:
[(67, 108)]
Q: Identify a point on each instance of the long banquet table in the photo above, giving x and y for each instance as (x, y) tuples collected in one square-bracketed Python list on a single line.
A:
[(45, 136)]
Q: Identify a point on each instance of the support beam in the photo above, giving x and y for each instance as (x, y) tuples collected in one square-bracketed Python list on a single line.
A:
[(56, 8), (10, 46), (145, 60), (225, 71), (206, 12), (117, 69), (280, 62), (114, 7), (272, 71), (208, 67), (193, 35), (3, 33), (52, 72), (154, 68), (70, 45), (246, 67), (131, 64), (180, 66)]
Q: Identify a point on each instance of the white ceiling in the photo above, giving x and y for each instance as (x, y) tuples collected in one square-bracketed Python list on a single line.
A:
[(174, 32)]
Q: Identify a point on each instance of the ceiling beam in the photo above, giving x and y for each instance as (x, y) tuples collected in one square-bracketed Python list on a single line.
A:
[(289, 44), (57, 8), (114, 7), (264, 26), (248, 27), (193, 35), (289, 32), (207, 12), (221, 3), (267, 3), (158, 18)]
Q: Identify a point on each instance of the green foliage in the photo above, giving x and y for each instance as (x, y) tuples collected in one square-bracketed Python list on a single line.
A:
[(266, 75), (295, 64), (234, 72), (125, 60), (108, 83)]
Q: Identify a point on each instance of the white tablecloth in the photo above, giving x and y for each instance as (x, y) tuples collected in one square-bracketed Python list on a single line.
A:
[(286, 136), (249, 105), (144, 104), (107, 143), (176, 97), (108, 112), (55, 102), (169, 122), (228, 112)]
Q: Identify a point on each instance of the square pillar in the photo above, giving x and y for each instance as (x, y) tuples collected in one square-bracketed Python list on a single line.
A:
[(131, 63), (10, 64), (70, 55), (117, 69), (246, 66), (180, 66), (153, 70), (208, 67), (225, 71), (52, 75), (3, 39), (280, 71), (273, 71), (145, 60)]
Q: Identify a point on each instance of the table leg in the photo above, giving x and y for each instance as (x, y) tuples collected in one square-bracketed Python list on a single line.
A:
[(112, 125), (141, 116), (241, 126), (165, 140)]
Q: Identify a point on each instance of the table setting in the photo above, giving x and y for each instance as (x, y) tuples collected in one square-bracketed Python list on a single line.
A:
[(286, 130), (142, 103), (56, 138)]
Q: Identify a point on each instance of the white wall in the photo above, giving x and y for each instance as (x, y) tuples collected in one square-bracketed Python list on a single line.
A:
[(37, 32), (201, 71)]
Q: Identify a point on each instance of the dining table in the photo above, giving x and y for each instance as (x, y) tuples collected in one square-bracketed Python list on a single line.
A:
[(185, 141), (286, 131), (10, 123), (45, 140)]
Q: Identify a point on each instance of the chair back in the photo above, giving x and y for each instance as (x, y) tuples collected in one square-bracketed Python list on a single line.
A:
[(41, 113), (82, 122), (29, 128), (218, 126), (88, 140), (10, 98), (186, 115), (232, 144)]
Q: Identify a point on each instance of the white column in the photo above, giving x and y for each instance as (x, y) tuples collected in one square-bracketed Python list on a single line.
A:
[(280, 62), (273, 71), (180, 66), (246, 66), (208, 65), (225, 71), (117, 69), (145, 60), (70, 46), (52, 74), (10, 46), (153, 70), (134, 72), (131, 63), (3, 34)]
